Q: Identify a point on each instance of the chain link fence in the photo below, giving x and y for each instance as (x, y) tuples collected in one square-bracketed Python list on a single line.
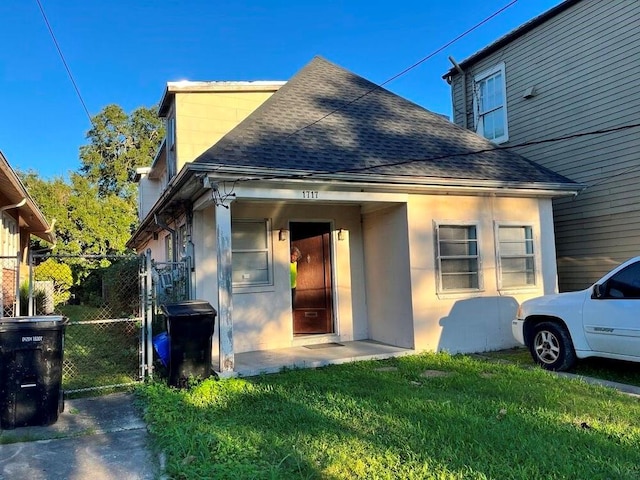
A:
[(102, 298), (10, 275), (113, 306)]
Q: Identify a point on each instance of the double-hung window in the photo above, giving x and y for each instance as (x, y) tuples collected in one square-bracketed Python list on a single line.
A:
[(516, 267), (490, 104), (251, 253), (458, 258)]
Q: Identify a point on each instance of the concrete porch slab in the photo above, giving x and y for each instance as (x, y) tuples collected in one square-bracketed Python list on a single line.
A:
[(271, 361)]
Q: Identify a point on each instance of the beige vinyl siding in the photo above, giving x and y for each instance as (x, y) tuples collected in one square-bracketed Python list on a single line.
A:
[(585, 66)]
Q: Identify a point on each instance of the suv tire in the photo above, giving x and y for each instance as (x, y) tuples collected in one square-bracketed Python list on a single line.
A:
[(551, 347)]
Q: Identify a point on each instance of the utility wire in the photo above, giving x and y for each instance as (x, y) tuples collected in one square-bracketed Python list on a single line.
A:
[(66, 66), (443, 157), (408, 69)]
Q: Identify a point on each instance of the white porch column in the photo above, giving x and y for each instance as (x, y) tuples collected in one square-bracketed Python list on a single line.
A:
[(225, 304)]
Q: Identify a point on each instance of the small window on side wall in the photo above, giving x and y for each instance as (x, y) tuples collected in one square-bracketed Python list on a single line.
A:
[(490, 104), (251, 253), (516, 268), (458, 259)]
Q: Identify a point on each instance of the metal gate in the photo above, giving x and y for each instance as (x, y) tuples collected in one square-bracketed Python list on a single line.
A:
[(112, 303)]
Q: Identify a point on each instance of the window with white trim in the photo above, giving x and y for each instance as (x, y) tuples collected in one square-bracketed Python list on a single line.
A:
[(10, 236), (458, 258), (516, 259), (490, 104), (171, 146), (251, 253)]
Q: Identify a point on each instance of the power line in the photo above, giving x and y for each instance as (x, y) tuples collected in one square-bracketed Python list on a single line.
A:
[(443, 157), (408, 69), (66, 66)]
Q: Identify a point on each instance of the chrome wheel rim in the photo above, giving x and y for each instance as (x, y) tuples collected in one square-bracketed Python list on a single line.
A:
[(546, 346)]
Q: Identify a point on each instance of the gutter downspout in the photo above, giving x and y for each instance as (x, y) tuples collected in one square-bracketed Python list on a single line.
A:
[(15, 205)]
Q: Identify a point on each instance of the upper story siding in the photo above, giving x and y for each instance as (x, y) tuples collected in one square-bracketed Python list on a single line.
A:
[(584, 64), (204, 118)]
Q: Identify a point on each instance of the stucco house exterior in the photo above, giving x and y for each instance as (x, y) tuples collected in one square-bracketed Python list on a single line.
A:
[(572, 71), (20, 218), (413, 232)]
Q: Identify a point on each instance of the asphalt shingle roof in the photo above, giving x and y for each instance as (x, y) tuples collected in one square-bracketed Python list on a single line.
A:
[(329, 120)]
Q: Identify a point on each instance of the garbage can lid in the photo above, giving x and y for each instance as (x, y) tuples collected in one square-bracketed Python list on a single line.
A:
[(188, 308), (31, 322)]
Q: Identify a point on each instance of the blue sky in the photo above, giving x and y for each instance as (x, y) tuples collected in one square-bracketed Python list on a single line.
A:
[(124, 52)]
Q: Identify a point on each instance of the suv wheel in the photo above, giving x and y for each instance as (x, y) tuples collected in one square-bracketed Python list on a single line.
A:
[(551, 347)]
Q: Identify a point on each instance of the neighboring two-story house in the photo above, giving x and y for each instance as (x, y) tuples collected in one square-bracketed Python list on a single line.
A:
[(20, 218), (413, 232), (569, 73)]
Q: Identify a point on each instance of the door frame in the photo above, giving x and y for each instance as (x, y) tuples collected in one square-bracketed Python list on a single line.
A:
[(333, 237)]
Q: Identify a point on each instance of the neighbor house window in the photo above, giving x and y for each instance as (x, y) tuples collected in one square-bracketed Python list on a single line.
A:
[(9, 236), (516, 259), (458, 259), (251, 253), (490, 104)]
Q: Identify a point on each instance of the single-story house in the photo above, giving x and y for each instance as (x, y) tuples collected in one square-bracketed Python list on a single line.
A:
[(20, 218), (413, 232)]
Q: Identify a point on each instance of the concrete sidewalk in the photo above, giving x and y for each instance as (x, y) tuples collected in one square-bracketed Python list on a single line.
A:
[(100, 438)]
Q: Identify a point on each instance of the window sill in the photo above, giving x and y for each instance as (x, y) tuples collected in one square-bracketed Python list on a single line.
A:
[(457, 294), (518, 290), (252, 289)]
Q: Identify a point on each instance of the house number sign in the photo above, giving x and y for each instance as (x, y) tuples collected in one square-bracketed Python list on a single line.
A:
[(310, 194)]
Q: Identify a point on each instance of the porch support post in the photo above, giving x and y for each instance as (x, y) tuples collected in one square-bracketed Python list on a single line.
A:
[(225, 304)]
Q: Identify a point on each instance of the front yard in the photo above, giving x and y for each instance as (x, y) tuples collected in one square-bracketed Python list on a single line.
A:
[(423, 417)]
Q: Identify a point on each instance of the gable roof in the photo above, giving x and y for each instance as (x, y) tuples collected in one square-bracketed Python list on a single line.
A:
[(511, 36), (331, 122)]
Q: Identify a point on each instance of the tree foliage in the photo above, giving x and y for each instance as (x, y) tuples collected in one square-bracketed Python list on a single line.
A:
[(96, 210), (118, 144)]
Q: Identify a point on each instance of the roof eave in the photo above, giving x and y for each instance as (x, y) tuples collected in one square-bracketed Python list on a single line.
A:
[(510, 37)]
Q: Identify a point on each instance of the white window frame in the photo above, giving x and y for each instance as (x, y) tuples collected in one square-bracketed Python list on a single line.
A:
[(10, 236), (248, 284), (439, 257), (172, 160), (479, 113), (533, 255)]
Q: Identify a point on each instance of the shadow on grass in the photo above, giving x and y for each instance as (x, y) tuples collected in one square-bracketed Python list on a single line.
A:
[(354, 421)]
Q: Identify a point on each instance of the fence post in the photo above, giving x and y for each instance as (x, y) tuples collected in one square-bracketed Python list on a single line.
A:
[(16, 312), (148, 317)]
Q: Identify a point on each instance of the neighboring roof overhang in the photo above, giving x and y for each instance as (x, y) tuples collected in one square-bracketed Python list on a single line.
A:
[(190, 184), (186, 86), (511, 36), (13, 192)]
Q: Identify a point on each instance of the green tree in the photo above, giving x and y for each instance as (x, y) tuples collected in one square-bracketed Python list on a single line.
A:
[(118, 144), (96, 210)]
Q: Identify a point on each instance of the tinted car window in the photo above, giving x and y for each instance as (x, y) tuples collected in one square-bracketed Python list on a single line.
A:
[(625, 283)]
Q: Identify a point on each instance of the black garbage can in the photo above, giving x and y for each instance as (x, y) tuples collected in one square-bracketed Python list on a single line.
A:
[(190, 328), (31, 350)]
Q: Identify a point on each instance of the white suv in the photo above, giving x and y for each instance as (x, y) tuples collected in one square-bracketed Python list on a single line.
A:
[(601, 321)]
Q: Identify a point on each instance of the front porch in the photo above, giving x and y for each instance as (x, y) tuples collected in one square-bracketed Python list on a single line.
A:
[(313, 356)]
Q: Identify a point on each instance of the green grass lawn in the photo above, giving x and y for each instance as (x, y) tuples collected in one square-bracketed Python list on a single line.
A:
[(429, 416), (603, 368), (99, 354)]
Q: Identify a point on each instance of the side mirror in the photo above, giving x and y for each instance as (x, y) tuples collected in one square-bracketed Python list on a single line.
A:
[(598, 291)]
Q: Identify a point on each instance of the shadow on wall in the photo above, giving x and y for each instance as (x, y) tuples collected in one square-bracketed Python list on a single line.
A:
[(478, 325)]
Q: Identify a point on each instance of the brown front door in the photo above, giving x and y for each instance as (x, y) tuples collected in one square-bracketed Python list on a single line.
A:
[(312, 312)]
